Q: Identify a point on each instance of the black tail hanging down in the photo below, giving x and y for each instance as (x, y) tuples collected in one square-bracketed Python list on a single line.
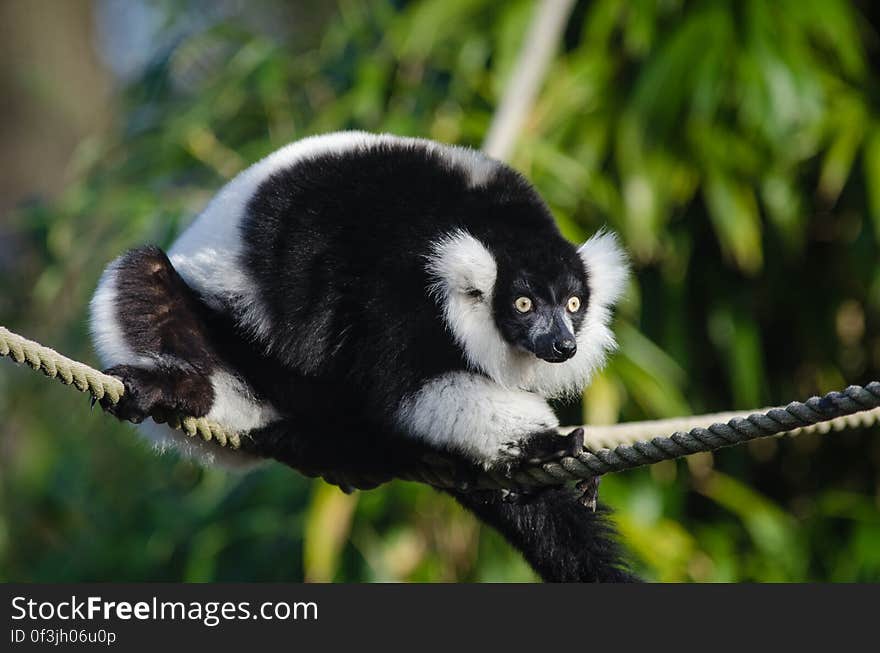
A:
[(561, 539)]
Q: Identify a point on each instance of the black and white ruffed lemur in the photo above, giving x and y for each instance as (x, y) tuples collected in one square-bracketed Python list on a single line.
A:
[(353, 300)]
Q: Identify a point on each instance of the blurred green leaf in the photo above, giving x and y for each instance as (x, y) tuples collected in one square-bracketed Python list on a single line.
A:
[(328, 523), (772, 531), (872, 176), (734, 214)]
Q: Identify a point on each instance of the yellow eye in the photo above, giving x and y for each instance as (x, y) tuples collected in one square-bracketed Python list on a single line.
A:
[(574, 304), (523, 304)]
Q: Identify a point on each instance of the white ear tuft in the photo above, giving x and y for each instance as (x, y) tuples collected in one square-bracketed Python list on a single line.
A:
[(460, 264), (463, 273), (607, 269)]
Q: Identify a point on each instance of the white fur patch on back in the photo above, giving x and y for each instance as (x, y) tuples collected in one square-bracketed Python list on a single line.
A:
[(107, 335), (459, 263), (208, 254), (473, 415)]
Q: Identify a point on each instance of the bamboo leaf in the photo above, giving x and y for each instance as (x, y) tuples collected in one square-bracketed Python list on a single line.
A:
[(734, 213), (328, 523)]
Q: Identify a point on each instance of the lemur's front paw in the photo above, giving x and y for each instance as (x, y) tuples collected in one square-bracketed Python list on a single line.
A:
[(143, 396), (538, 448)]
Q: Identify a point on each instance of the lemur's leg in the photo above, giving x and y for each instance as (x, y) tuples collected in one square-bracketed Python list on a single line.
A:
[(149, 328), (563, 540), (495, 427), (344, 451)]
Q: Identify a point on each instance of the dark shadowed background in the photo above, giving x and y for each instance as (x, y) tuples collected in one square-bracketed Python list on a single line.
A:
[(734, 145)]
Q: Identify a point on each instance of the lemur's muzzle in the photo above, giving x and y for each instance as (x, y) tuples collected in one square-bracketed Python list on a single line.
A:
[(555, 342)]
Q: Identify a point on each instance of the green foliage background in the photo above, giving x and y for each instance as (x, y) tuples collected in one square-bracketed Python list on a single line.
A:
[(735, 146)]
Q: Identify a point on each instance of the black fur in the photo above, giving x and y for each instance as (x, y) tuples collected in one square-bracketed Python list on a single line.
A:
[(563, 540), (336, 247)]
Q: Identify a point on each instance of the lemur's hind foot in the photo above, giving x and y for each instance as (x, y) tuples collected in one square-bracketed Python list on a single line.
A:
[(158, 392)]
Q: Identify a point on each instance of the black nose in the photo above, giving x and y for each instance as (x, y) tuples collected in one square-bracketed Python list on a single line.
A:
[(565, 347)]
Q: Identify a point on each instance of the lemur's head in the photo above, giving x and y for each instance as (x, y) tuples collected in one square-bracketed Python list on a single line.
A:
[(532, 317), (539, 306)]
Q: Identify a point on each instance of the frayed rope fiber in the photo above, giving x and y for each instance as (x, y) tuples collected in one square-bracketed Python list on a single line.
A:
[(606, 448)]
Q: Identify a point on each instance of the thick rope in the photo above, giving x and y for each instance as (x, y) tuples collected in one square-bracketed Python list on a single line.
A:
[(606, 448), (100, 385)]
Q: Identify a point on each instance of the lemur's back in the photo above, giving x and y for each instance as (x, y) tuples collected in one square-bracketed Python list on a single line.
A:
[(328, 236), (320, 249)]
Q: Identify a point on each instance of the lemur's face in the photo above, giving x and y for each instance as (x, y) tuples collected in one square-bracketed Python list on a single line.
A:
[(542, 313), (511, 309)]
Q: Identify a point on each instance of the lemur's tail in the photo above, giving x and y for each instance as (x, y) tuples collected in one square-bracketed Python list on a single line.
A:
[(561, 539)]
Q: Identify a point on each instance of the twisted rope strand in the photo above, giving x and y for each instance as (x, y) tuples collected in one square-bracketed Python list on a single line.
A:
[(99, 385), (606, 449)]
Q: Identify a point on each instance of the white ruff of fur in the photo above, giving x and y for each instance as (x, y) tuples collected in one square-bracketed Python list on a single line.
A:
[(460, 264), (208, 254), (472, 415)]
